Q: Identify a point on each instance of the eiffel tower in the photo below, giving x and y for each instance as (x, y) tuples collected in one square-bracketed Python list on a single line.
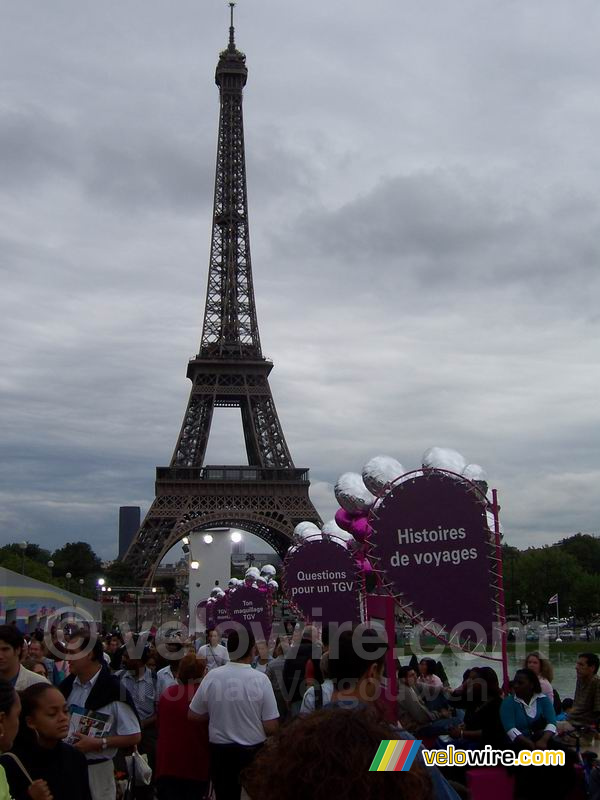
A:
[(270, 495)]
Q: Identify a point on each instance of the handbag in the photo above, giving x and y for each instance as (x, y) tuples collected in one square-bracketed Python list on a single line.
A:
[(138, 768), (20, 765)]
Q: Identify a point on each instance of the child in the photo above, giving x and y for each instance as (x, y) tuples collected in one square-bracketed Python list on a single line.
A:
[(39, 745), (566, 705)]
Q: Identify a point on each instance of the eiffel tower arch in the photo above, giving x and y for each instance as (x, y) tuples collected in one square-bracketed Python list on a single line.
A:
[(269, 495)]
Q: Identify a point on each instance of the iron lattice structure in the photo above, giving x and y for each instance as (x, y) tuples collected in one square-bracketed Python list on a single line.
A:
[(270, 495)]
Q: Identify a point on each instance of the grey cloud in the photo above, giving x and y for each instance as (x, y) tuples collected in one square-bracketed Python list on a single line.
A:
[(424, 218), (31, 147), (448, 230), (119, 164)]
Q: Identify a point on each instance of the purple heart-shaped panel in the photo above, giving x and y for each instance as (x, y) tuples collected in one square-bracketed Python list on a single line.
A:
[(432, 543), (322, 581)]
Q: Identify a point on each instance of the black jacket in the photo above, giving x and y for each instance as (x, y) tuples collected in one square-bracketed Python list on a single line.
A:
[(63, 768), (295, 667), (107, 689)]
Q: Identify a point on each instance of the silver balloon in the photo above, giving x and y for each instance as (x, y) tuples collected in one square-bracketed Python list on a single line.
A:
[(331, 528), (380, 471), (273, 585), (252, 572), (352, 494), (408, 477), (444, 458), (268, 569), (305, 529), (474, 472)]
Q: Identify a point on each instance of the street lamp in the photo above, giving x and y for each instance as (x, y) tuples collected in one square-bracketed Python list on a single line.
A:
[(68, 576), (81, 582), (23, 546), (207, 538), (519, 612), (50, 567), (236, 537)]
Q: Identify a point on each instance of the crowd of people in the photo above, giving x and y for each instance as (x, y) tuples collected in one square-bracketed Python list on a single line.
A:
[(215, 718)]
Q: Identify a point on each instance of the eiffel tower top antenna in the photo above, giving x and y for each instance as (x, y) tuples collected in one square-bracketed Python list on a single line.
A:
[(231, 29)]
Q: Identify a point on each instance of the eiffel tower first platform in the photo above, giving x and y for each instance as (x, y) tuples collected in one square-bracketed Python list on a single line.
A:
[(270, 495)]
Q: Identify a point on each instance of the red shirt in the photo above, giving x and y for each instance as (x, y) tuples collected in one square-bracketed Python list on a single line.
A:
[(182, 750)]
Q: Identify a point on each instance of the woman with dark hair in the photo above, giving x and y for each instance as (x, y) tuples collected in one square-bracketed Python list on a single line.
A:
[(295, 664), (482, 724), (182, 753), (57, 653), (327, 755), (430, 685), (530, 723), (527, 715), (35, 665), (10, 709)]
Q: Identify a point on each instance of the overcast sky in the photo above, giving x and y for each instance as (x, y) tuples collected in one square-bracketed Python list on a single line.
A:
[(425, 231)]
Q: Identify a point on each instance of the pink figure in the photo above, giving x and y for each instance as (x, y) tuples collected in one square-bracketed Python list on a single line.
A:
[(344, 519), (360, 529)]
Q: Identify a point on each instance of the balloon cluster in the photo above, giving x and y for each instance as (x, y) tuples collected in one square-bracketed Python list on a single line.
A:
[(262, 579), (358, 494)]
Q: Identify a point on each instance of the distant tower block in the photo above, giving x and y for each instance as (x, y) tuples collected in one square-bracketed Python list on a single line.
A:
[(129, 522), (269, 495)]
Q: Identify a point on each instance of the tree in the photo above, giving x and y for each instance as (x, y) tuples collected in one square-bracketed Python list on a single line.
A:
[(11, 557), (78, 558), (37, 553), (119, 574), (585, 548), (545, 571), (585, 597), (511, 574)]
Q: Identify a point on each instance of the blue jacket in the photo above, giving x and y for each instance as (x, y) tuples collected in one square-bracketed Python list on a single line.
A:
[(517, 722)]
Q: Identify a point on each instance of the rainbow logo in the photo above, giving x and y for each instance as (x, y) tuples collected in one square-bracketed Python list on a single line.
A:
[(395, 755)]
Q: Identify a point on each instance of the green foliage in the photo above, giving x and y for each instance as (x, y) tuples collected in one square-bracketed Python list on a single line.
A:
[(585, 549), (11, 557), (78, 558), (569, 568), (119, 574)]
